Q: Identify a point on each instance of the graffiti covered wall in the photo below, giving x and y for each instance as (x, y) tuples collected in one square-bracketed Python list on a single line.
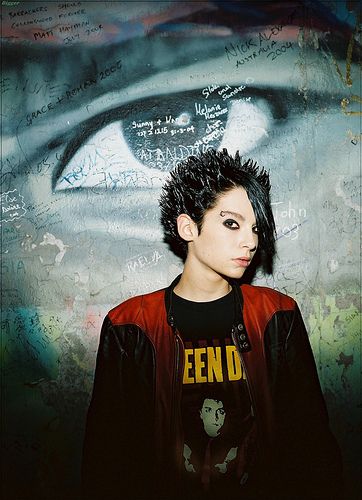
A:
[(99, 101)]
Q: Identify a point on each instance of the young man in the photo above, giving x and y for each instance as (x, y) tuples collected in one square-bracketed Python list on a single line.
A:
[(207, 353)]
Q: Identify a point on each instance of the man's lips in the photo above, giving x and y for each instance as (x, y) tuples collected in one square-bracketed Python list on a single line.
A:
[(242, 261)]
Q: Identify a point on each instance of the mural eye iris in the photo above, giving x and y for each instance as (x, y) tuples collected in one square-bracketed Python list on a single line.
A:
[(142, 142)]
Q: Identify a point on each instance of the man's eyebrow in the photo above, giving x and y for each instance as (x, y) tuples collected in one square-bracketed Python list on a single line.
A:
[(234, 214)]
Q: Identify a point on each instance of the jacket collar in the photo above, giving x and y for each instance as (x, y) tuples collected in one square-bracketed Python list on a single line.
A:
[(238, 328)]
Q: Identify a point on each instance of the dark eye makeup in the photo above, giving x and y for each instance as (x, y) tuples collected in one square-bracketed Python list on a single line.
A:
[(231, 224)]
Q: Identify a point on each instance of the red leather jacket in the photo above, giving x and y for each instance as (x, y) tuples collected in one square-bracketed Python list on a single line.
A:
[(132, 447)]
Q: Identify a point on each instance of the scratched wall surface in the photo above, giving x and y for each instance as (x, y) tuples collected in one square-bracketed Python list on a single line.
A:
[(99, 101)]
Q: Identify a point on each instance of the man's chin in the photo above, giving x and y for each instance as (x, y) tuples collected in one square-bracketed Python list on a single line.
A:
[(237, 273)]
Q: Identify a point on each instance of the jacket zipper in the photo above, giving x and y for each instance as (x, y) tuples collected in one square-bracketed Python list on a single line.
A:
[(176, 394), (243, 365), (250, 392)]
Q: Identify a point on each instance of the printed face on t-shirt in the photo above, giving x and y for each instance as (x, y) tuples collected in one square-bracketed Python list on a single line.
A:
[(212, 414)]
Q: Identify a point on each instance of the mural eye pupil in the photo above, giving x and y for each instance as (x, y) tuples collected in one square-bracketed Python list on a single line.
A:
[(180, 126)]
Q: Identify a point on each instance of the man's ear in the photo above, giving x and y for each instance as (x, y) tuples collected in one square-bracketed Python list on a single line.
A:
[(186, 227)]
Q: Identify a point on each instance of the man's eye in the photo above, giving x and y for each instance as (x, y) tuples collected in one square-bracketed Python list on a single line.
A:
[(231, 224)]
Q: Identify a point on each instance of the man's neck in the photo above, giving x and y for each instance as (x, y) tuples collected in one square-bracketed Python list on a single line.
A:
[(201, 286)]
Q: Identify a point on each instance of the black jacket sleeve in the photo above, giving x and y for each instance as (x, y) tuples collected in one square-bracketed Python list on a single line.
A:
[(312, 459), (118, 448)]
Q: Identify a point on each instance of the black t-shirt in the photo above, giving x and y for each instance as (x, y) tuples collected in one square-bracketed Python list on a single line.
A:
[(218, 423)]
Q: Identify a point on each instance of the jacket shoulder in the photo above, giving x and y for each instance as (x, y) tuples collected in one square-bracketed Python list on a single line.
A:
[(137, 310), (267, 299)]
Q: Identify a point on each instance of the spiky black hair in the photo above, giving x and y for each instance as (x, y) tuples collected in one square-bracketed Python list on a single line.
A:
[(195, 185)]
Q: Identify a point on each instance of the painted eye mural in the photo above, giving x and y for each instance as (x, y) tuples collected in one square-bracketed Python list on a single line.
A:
[(100, 100)]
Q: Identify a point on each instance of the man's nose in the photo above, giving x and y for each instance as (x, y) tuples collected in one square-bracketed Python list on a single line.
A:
[(247, 238)]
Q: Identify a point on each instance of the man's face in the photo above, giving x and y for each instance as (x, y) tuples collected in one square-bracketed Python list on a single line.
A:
[(228, 239), (212, 414)]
